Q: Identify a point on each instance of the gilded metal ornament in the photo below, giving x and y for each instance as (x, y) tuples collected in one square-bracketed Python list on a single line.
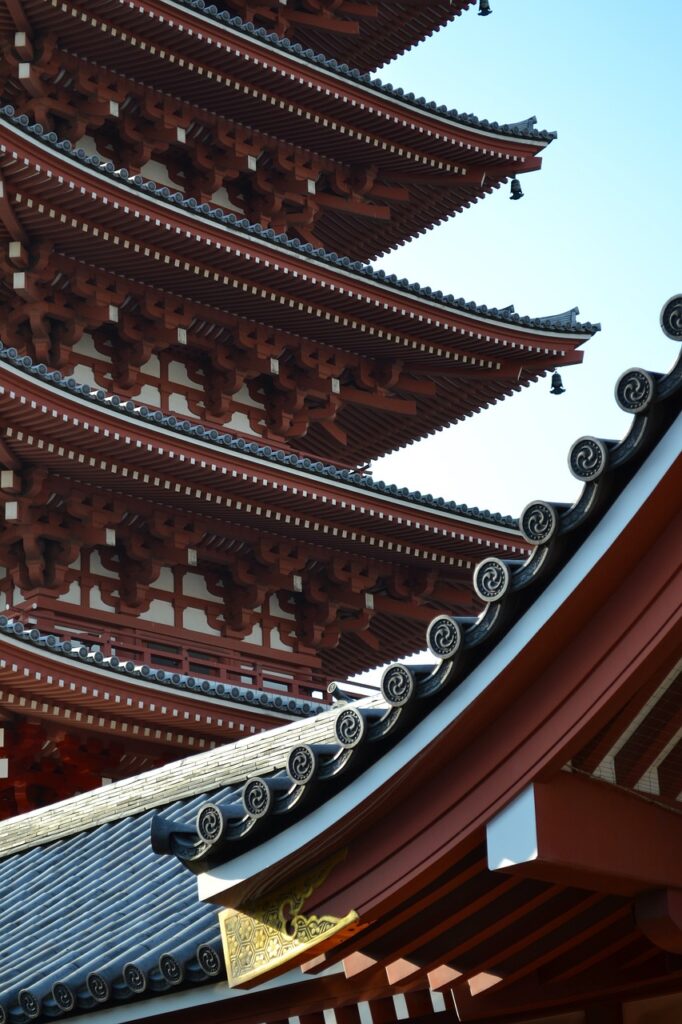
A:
[(271, 934)]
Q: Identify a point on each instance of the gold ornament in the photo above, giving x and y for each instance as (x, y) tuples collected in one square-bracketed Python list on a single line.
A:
[(268, 935)]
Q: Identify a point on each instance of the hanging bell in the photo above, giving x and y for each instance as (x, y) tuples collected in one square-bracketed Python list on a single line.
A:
[(484, 8), (557, 387), (516, 191)]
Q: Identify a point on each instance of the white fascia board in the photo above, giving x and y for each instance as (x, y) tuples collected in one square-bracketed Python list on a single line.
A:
[(326, 817)]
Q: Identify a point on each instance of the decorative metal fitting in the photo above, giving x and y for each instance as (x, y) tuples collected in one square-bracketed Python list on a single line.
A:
[(671, 318), (635, 390), (538, 522), (398, 685), (588, 458), (491, 579), (444, 636)]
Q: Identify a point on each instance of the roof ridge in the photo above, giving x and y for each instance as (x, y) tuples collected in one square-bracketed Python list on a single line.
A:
[(242, 224)]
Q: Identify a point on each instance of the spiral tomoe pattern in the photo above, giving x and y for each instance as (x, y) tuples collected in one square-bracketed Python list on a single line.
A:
[(98, 987), (134, 978), (397, 685), (210, 823), (208, 960), (349, 727), (257, 798), (671, 318), (301, 764), (29, 1003), (634, 390), (538, 522), (63, 996), (171, 969), (587, 458), (491, 579), (444, 636)]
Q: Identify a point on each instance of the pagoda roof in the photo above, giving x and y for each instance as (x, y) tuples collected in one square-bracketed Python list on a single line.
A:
[(445, 159), (73, 841), (231, 489), (269, 41), (393, 29), (149, 236), (565, 323), (521, 129), (253, 451)]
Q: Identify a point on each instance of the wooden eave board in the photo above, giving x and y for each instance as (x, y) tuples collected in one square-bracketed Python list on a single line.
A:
[(301, 105), (138, 231), (65, 692), (172, 33), (104, 446)]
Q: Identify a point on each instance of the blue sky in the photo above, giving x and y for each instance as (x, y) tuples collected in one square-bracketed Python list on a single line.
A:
[(599, 227)]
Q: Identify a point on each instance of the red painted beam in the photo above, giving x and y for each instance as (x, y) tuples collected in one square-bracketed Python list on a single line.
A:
[(588, 834), (659, 915)]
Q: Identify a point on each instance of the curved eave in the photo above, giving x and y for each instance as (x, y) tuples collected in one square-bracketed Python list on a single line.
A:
[(120, 438), (623, 508), (380, 39), (175, 34), (526, 668), (51, 681), (321, 281)]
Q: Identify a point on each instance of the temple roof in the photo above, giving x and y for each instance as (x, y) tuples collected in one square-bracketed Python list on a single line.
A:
[(566, 322), (394, 28), (140, 930), (264, 453), (521, 129), (129, 924)]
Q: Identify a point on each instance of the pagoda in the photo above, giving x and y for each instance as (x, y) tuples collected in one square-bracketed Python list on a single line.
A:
[(199, 365)]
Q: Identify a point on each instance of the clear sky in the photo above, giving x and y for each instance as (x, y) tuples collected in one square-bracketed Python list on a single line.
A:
[(599, 227)]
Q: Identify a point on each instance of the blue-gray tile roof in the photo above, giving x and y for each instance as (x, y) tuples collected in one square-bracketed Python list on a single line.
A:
[(98, 917), (565, 323)]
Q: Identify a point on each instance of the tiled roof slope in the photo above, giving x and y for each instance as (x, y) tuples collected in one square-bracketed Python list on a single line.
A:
[(127, 407), (217, 803), (565, 323), (98, 917), (292, 707), (521, 130)]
